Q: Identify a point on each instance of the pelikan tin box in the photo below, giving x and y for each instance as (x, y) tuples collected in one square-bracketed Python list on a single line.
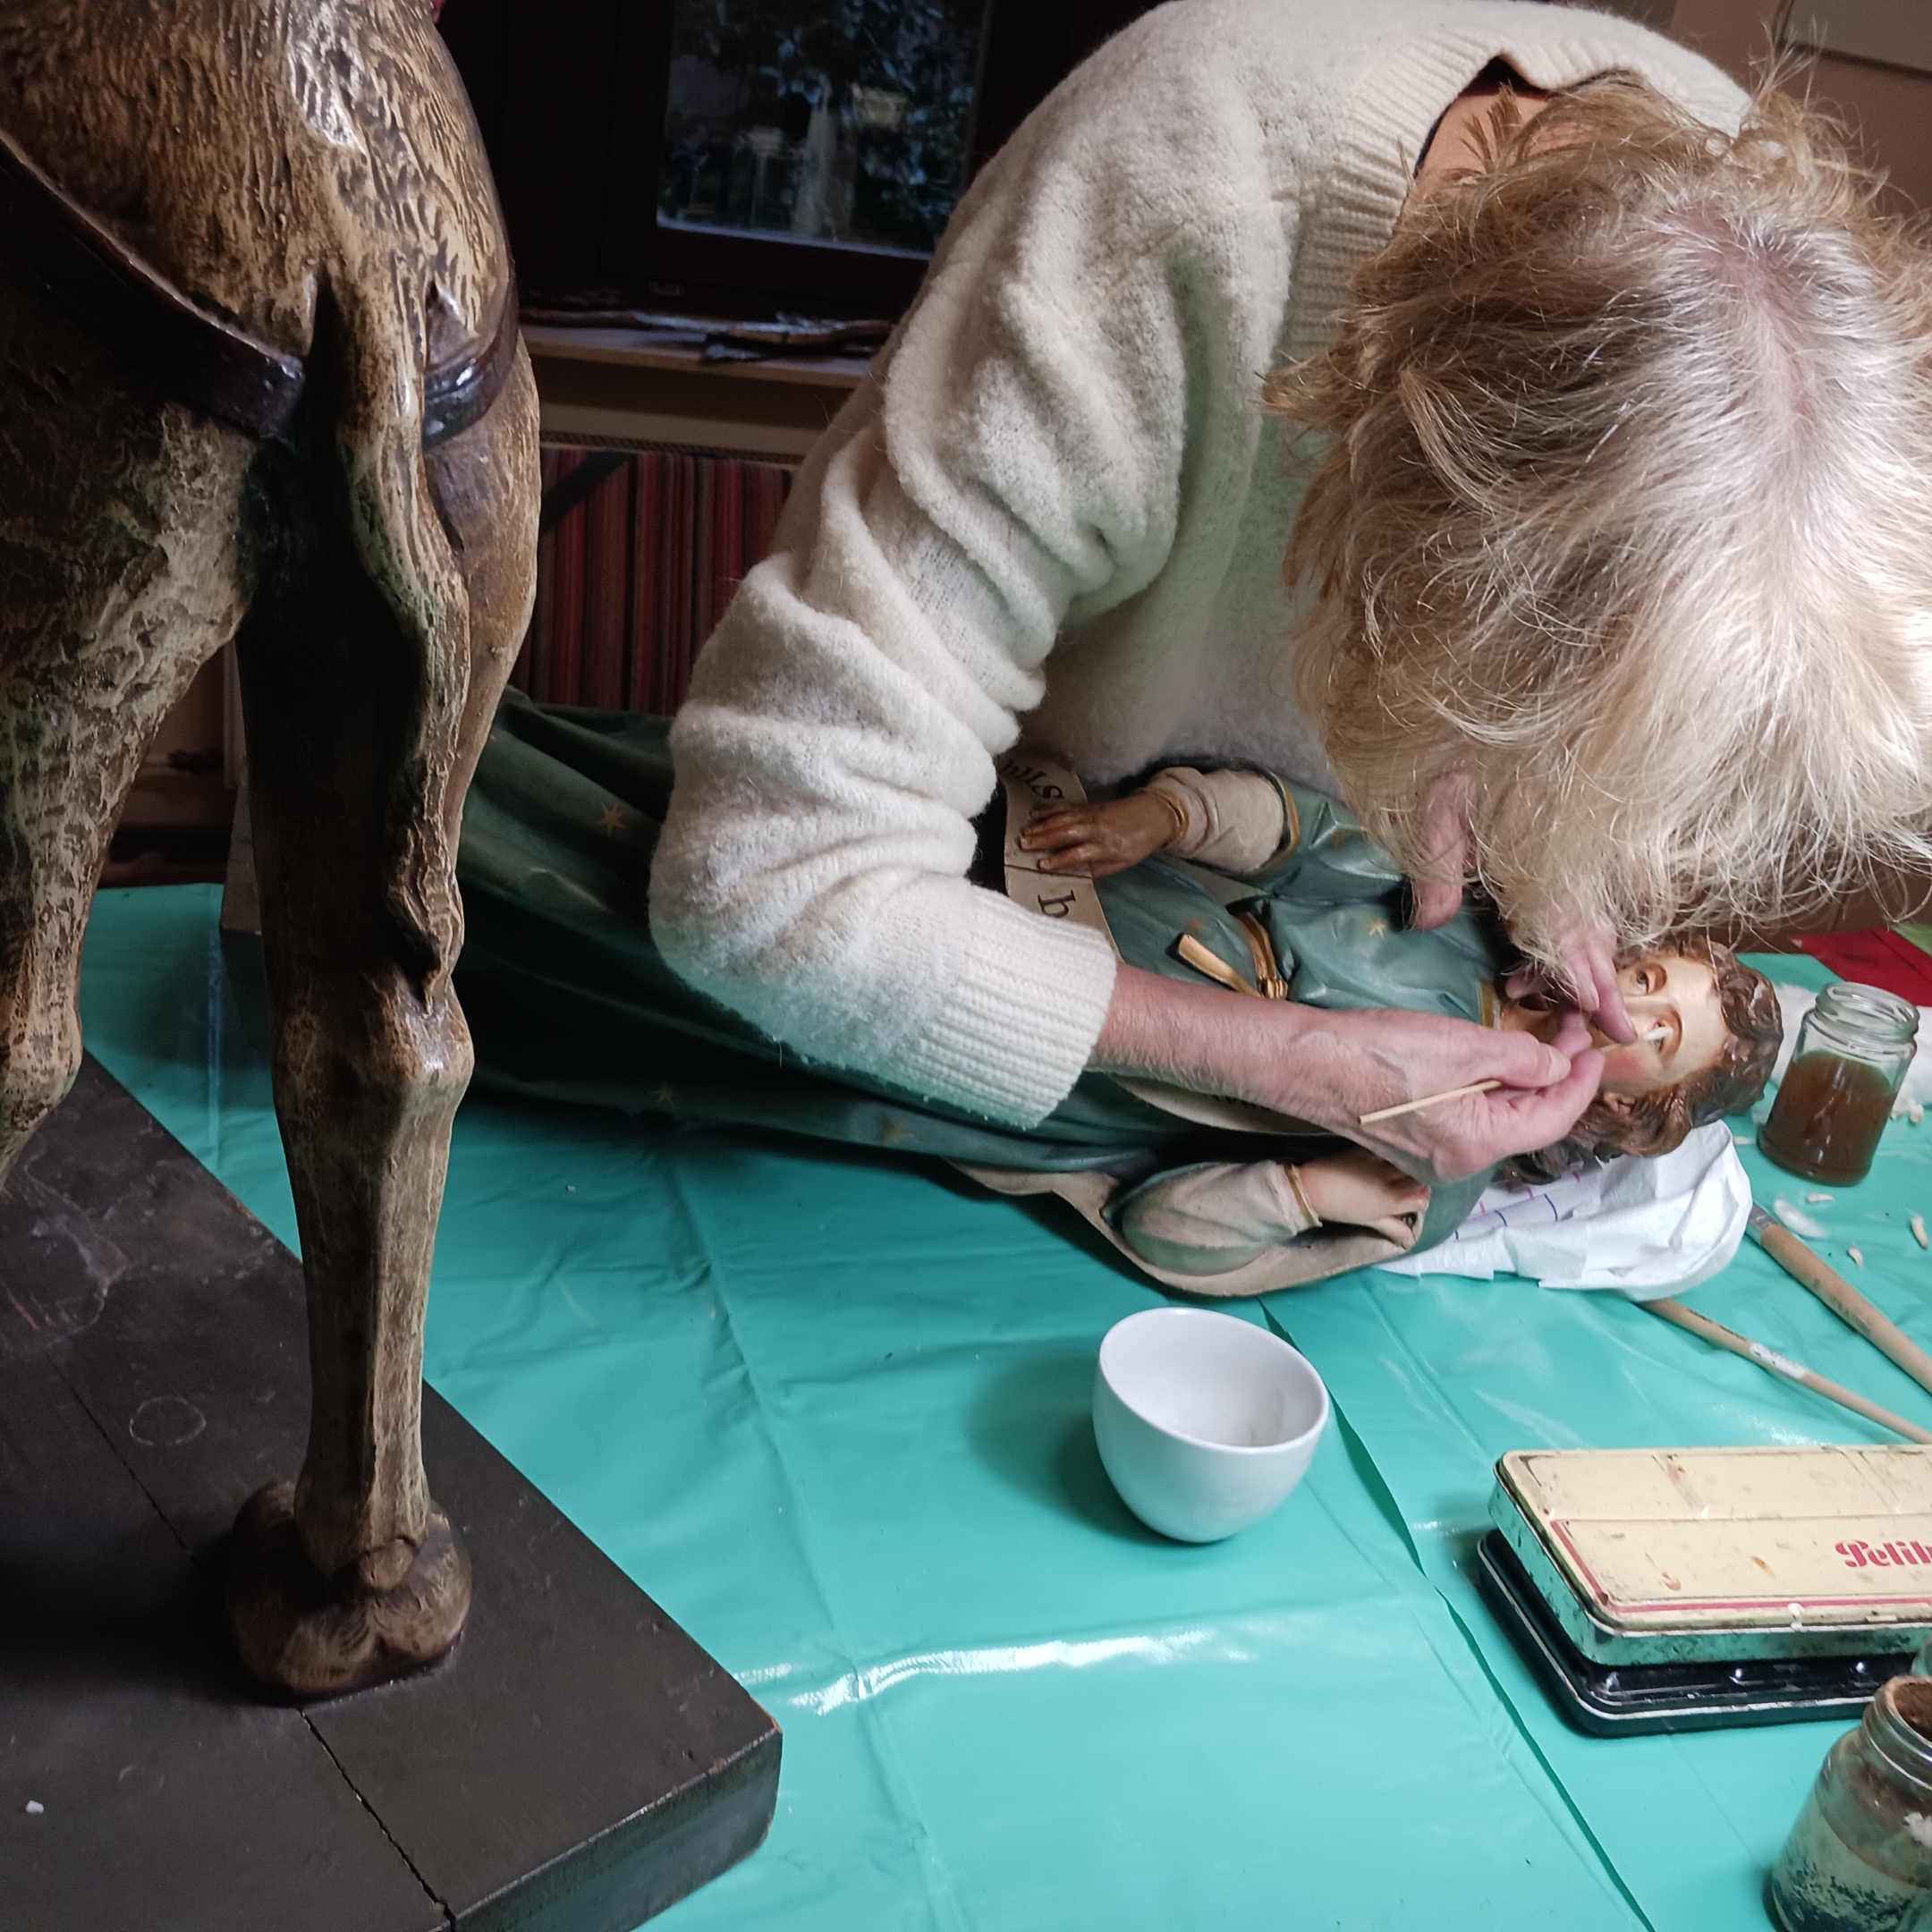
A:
[(1648, 1556)]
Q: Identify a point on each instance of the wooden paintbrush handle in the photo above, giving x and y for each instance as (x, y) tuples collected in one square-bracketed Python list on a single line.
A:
[(1840, 1296), (1719, 1336)]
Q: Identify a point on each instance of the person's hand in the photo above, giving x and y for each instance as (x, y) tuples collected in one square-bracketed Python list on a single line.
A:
[(1587, 980), (1438, 889), (1376, 1059), (1103, 838), (1331, 1068), (1363, 1190)]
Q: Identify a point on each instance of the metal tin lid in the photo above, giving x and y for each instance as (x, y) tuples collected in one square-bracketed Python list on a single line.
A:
[(1786, 1538)]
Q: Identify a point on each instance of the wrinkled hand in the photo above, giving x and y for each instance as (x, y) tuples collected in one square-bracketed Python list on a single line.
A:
[(1099, 839), (1587, 947), (1363, 1190), (1331, 1068), (1369, 1060)]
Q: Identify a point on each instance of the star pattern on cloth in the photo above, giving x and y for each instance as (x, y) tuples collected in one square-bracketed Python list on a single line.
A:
[(665, 1094), (891, 1134), (610, 818), (1378, 928)]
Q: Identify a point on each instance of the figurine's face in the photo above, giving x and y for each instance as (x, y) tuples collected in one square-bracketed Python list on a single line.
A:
[(1679, 996)]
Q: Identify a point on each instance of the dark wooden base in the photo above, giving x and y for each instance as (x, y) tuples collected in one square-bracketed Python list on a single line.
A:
[(576, 1765)]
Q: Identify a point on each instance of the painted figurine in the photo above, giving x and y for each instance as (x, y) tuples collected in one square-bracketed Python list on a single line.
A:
[(1322, 923)]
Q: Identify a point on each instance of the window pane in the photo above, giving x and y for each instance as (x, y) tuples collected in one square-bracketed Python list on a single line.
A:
[(827, 120)]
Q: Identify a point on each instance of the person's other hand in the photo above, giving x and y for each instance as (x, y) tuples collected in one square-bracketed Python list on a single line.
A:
[(1587, 947), (1363, 1190), (1589, 978), (1438, 890), (1099, 839)]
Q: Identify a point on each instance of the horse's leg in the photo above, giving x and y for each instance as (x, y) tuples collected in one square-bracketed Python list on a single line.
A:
[(353, 1575), (117, 581)]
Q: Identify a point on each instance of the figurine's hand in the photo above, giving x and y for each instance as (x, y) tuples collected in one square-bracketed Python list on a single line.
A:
[(1099, 839), (1331, 1068), (1363, 1190)]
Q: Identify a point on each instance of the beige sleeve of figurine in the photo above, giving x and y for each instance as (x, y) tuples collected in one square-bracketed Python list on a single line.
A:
[(1232, 820), (1208, 1220)]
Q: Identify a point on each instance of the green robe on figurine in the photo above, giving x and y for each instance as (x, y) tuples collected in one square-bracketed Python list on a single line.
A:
[(568, 998)]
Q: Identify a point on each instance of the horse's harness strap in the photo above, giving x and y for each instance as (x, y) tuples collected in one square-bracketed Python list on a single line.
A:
[(458, 394), (109, 292)]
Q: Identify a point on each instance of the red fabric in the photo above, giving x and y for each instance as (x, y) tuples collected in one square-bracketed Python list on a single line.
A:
[(634, 577), (1876, 957)]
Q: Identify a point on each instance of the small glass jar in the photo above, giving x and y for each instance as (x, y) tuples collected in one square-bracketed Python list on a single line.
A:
[(1860, 1857), (1837, 1092)]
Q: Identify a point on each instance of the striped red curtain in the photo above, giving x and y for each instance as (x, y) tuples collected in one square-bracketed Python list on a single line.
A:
[(639, 553)]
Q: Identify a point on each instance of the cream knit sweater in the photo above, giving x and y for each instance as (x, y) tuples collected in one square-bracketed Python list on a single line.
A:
[(1057, 499)]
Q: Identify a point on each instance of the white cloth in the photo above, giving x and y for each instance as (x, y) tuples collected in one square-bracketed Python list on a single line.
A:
[(1059, 456), (1642, 1226)]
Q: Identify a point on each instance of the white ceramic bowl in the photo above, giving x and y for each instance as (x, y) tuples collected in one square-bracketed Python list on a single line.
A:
[(1204, 1423)]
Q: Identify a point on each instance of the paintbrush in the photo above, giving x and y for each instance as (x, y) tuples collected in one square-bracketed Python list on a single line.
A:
[(1719, 1336), (1802, 1265)]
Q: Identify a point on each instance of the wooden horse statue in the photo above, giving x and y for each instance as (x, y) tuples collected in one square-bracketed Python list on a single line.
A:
[(260, 379)]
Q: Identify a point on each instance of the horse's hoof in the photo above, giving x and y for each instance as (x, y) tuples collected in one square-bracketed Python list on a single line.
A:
[(314, 1636)]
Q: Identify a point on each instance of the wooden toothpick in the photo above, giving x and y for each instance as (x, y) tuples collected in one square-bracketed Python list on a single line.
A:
[(1432, 1099)]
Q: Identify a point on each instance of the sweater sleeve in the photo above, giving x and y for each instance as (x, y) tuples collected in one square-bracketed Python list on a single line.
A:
[(1021, 451)]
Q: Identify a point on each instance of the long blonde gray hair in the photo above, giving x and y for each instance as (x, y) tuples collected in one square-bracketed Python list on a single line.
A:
[(1626, 520)]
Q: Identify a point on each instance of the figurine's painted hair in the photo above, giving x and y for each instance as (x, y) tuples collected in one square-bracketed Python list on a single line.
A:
[(1620, 512), (1655, 1123)]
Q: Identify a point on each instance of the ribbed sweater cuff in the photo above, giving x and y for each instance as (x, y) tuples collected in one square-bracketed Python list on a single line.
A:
[(1021, 1019)]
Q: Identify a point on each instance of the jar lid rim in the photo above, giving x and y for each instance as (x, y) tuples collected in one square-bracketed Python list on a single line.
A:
[(1899, 1740), (1849, 999)]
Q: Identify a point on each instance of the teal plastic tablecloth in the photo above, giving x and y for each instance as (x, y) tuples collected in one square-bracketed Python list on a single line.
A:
[(832, 1411)]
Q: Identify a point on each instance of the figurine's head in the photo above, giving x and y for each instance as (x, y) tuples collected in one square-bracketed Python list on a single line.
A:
[(1709, 1031)]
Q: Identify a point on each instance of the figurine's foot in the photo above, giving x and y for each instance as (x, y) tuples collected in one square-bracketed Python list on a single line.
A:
[(316, 1636)]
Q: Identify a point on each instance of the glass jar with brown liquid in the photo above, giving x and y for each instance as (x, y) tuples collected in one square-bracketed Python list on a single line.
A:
[(1837, 1093)]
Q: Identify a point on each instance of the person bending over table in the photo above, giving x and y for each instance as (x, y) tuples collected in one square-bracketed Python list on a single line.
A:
[(1601, 448)]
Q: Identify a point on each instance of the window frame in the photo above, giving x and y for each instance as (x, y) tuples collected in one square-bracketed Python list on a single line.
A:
[(570, 95)]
